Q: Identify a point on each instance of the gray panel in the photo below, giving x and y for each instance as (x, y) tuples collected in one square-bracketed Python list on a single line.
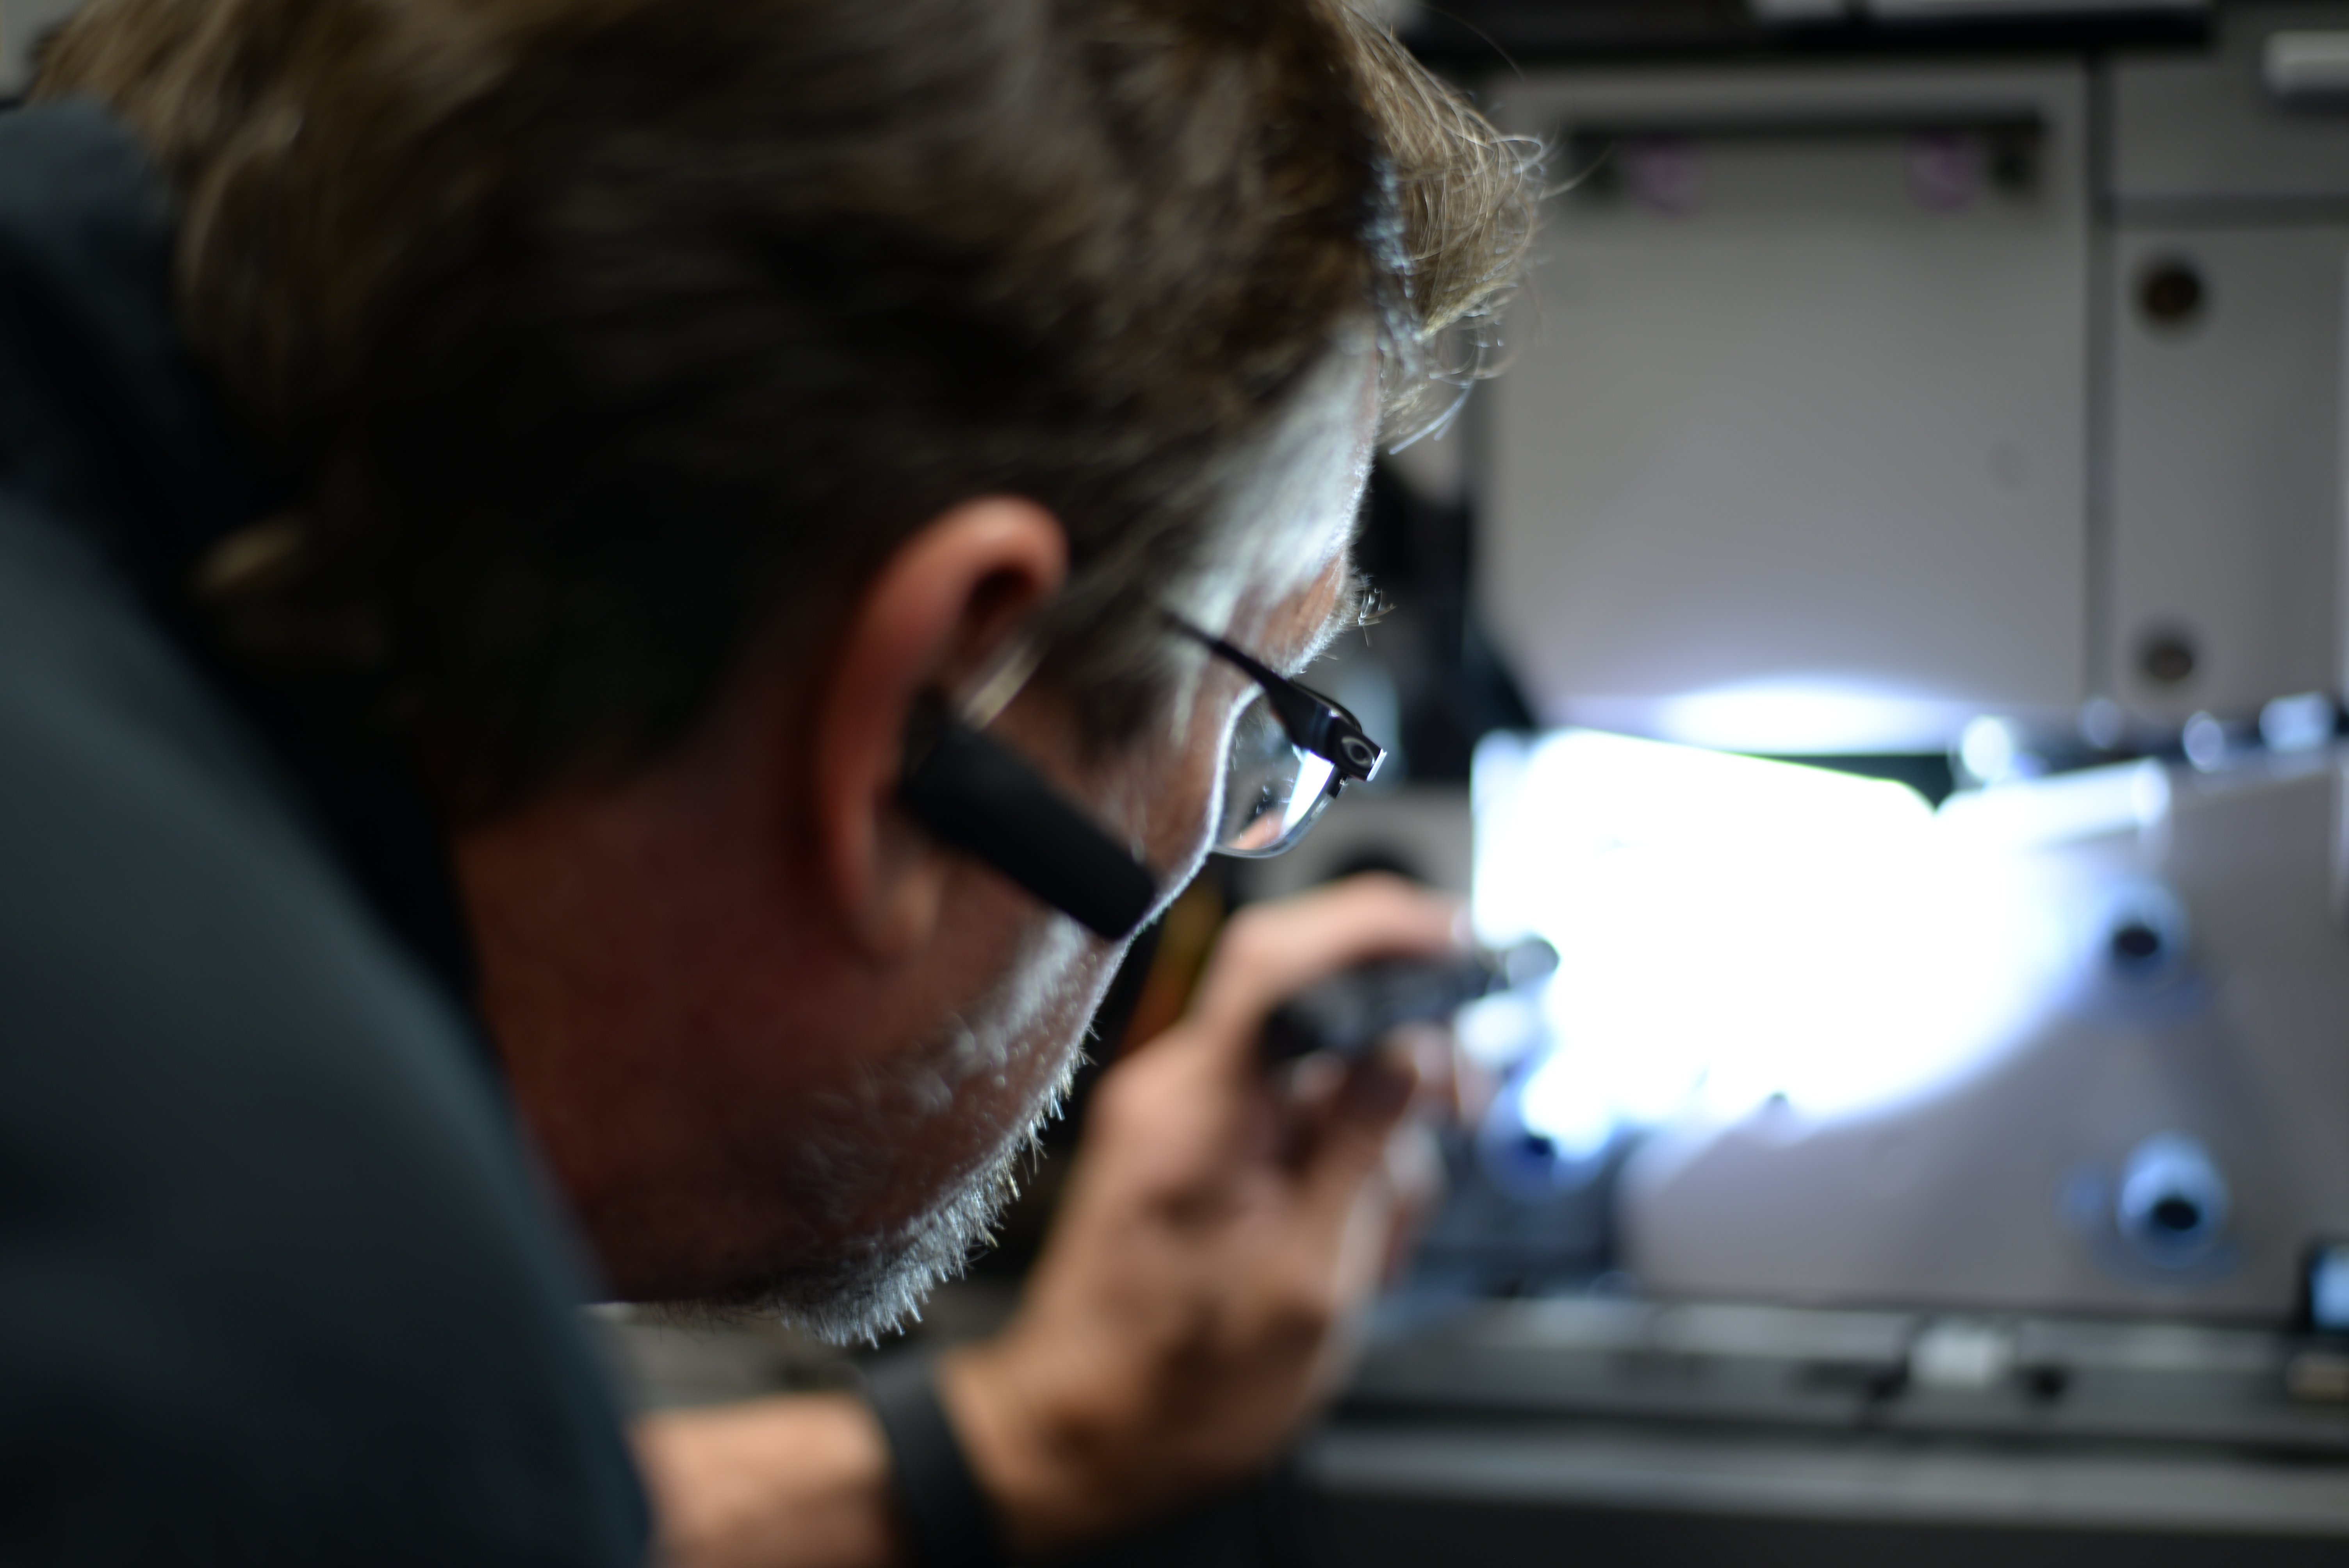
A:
[(23, 24), (2201, 128), (1854, 1480), (1803, 417), (1384, 1529), (2225, 481), (1995, 1190)]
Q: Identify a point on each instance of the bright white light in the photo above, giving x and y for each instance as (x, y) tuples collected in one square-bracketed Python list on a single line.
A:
[(1499, 1031), (2127, 796), (1555, 814), (1570, 1106), (1312, 781), (1820, 715), (1956, 1354), (1731, 930), (2300, 723), (1989, 749)]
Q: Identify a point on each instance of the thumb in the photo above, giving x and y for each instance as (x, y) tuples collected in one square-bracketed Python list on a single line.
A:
[(1271, 951)]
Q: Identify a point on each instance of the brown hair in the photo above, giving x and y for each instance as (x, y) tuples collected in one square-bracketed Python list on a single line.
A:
[(594, 332)]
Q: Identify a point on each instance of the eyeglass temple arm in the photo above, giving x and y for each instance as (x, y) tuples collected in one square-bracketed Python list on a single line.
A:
[(974, 794), (1313, 722)]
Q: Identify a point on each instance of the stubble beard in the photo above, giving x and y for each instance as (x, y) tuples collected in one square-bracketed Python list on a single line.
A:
[(850, 1283)]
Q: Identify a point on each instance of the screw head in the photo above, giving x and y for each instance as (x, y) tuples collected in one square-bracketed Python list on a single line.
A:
[(2171, 293), (2168, 656)]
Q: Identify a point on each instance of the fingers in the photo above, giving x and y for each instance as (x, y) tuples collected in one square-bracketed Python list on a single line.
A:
[(1374, 1132), (1350, 1143), (1413, 1176), (1369, 1176), (1435, 1051), (1270, 952)]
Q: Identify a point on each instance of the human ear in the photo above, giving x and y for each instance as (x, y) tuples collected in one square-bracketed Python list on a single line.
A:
[(941, 607)]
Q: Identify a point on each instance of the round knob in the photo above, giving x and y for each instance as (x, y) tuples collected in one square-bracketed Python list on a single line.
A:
[(2166, 656), (2171, 293), (2148, 937), (2137, 944), (2174, 1202)]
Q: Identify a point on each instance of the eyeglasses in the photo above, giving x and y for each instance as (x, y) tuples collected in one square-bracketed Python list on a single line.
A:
[(1291, 753)]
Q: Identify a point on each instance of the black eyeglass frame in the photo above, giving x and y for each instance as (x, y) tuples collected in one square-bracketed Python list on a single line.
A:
[(1313, 722), (977, 795)]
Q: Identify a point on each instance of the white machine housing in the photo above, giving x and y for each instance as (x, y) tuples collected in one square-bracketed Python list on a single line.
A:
[(1859, 401), (1854, 400), (2168, 1133)]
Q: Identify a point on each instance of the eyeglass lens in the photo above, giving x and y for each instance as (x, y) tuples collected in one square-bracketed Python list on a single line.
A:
[(1273, 788)]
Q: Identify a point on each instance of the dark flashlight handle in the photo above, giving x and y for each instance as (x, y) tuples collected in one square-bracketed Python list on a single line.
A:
[(1348, 1014)]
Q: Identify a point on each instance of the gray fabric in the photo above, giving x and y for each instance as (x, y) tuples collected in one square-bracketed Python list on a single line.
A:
[(275, 1284)]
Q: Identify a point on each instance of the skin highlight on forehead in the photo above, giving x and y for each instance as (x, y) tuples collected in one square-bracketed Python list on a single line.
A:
[(1287, 586), (1292, 507)]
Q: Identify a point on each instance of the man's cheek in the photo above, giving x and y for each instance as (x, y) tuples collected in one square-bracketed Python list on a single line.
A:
[(1180, 826), (1050, 1005)]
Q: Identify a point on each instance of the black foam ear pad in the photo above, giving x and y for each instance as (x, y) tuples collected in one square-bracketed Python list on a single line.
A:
[(978, 795)]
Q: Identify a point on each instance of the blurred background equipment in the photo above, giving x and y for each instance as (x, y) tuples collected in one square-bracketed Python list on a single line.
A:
[(2066, 1045), (1911, 525), (1805, 413)]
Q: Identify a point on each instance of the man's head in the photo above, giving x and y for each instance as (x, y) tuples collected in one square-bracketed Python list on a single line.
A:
[(675, 392)]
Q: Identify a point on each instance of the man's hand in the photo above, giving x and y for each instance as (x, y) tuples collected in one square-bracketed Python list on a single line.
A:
[(1220, 1225), (1189, 1312)]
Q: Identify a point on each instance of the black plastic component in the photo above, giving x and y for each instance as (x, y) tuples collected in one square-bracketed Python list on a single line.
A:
[(2147, 945), (976, 795), (1481, 34), (2178, 1216), (1311, 719), (1348, 1014), (2045, 1382), (2136, 945), (2167, 657), (2171, 293)]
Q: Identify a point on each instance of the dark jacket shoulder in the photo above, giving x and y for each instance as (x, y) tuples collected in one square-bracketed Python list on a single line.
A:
[(275, 1281)]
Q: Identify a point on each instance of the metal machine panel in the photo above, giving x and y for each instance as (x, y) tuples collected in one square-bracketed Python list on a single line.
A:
[(2194, 127), (2226, 372), (2208, 1077), (1799, 412)]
